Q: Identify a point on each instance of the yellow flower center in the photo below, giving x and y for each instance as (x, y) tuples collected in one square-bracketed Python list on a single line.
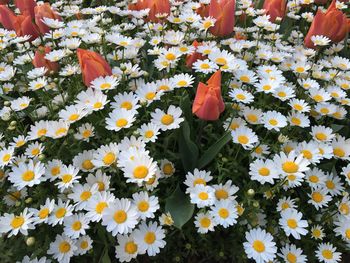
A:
[(298, 107), (292, 223), (17, 222), (100, 207), (282, 94), (258, 246), (6, 157), (130, 247), (105, 86), (74, 117), (76, 225), (60, 212), (28, 176), (55, 170), (97, 105), (120, 216), (205, 222), (307, 154), (290, 167), (264, 171), (43, 213), (317, 197), (321, 136), (60, 131), (170, 56), (221, 194), (296, 121), (244, 78), (243, 139), (330, 184), (199, 181), (109, 158), (273, 122), (84, 244), (121, 123), (167, 119), (149, 238), (149, 134), (291, 258), (318, 98), (66, 178), (143, 206), (150, 95), (203, 196), (85, 195), (64, 247), (140, 172), (223, 213), (86, 133), (221, 61), (204, 66), (240, 97), (339, 152), (327, 254), (344, 209), (126, 105), (252, 118), (87, 165), (313, 179), (35, 151)]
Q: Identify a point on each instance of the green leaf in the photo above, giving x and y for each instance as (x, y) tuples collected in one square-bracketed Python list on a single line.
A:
[(185, 105), (213, 150), (187, 148), (179, 206), (105, 258), (336, 127)]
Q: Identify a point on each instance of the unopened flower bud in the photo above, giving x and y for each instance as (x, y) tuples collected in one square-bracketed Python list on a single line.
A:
[(251, 192), (30, 241), (13, 123), (7, 103)]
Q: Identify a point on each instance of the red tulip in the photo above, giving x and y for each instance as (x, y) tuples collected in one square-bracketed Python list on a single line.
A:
[(93, 65), (24, 26), (191, 58), (332, 24), (26, 7), (224, 13), (40, 61), (4, 2), (155, 6), (42, 11), (275, 8), (208, 103), (7, 18)]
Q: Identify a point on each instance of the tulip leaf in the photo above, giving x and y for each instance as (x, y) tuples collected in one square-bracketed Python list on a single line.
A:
[(180, 207), (185, 105), (213, 150), (187, 148)]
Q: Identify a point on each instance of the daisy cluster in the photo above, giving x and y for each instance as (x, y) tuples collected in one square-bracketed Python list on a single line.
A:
[(91, 160)]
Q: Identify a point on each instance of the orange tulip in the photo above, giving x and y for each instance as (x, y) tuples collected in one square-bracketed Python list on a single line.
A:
[(275, 8), (7, 18), (224, 13), (42, 11), (208, 103), (155, 6), (40, 61), (92, 65), (24, 26), (203, 10), (26, 7), (332, 24), (191, 58)]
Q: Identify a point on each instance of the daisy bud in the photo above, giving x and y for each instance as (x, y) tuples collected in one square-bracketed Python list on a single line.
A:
[(188, 246), (251, 192), (7, 103), (177, 259), (11, 128), (18, 203), (13, 123), (42, 157), (28, 200), (221, 254), (30, 241), (256, 204), (122, 68)]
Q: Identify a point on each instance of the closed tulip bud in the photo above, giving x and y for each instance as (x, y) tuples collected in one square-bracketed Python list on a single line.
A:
[(332, 24), (158, 9), (92, 65), (275, 8), (8, 18), (26, 7), (208, 103), (25, 26), (42, 11), (224, 13)]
